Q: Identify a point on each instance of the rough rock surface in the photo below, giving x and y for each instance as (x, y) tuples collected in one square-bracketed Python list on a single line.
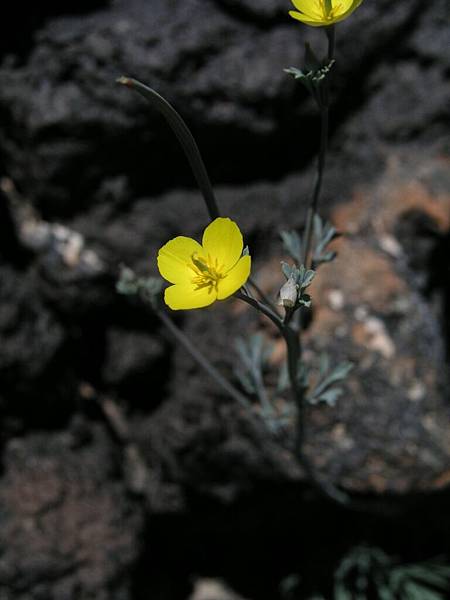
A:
[(372, 306), (101, 181), (213, 65), (68, 528), (371, 309)]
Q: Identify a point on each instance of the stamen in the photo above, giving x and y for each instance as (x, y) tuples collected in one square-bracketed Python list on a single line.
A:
[(207, 271)]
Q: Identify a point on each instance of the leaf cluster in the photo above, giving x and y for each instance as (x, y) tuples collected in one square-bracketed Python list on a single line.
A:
[(130, 284), (253, 363), (324, 234), (315, 76), (325, 388), (253, 354), (369, 572)]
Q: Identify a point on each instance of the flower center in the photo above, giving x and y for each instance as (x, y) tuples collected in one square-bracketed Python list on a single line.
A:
[(207, 272)]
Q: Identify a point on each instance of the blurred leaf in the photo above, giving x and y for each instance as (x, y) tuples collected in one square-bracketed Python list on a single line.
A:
[(341, 593), (253, 354), (324, 233), (130, 284), (323, 390), (287, 269), (415, 591), (329, 396), (289, 586), (293, 244), (283, 378)]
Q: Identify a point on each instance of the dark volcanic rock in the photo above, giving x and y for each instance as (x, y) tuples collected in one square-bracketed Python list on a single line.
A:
[(68, 528), (135, 366), (55, 313), (32, 352), (389, 432), (110, 185), (67, 126), (16, 32)]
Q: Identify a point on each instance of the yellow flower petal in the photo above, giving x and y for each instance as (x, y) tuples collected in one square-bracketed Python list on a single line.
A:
[(222, 240), (186, 296), (235, 278), (315, 13), (174, 257), (310, 8), (203, 274), (307, 20), (348, 7)]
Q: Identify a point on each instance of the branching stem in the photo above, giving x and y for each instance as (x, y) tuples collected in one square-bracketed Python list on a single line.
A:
[(291, 336), (264, 309), (201, 360), (289, 331)]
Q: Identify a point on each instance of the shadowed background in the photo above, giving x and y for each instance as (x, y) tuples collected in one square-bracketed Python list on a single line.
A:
[(92, 177)]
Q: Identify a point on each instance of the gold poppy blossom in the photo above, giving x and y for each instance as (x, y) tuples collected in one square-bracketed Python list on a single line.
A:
[(206, 272), (320, 13)]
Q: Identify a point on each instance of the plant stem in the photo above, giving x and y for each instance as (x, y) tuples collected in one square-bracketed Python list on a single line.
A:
[(291, 337), (268, 312), (324, 122), (312, 210), (189, 145), (293, 347), (331, 35), (290, 333), (201, 360), (261, 294), (185, 138)]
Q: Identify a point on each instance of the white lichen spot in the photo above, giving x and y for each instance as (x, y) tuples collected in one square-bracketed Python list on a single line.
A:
[(336, 299), (378, 338)]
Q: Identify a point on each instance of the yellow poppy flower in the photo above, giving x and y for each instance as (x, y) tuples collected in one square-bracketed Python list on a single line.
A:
[(320, 13), (202, 274)]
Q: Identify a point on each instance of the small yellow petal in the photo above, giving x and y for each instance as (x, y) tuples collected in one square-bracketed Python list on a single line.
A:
[(307, 20), (344, 6), (310, 8), (315, 13), (222, 240), (348, 9), (186, 296), (174, 257), (235, 278)]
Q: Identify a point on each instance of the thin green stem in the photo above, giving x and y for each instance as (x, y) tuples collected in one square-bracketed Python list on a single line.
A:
[(293, 346), (312, 210), (331, 35), (263, 308), (262, 295), (185, 138), (292, 334), (201, 360), (189, 146), (324, 123)]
